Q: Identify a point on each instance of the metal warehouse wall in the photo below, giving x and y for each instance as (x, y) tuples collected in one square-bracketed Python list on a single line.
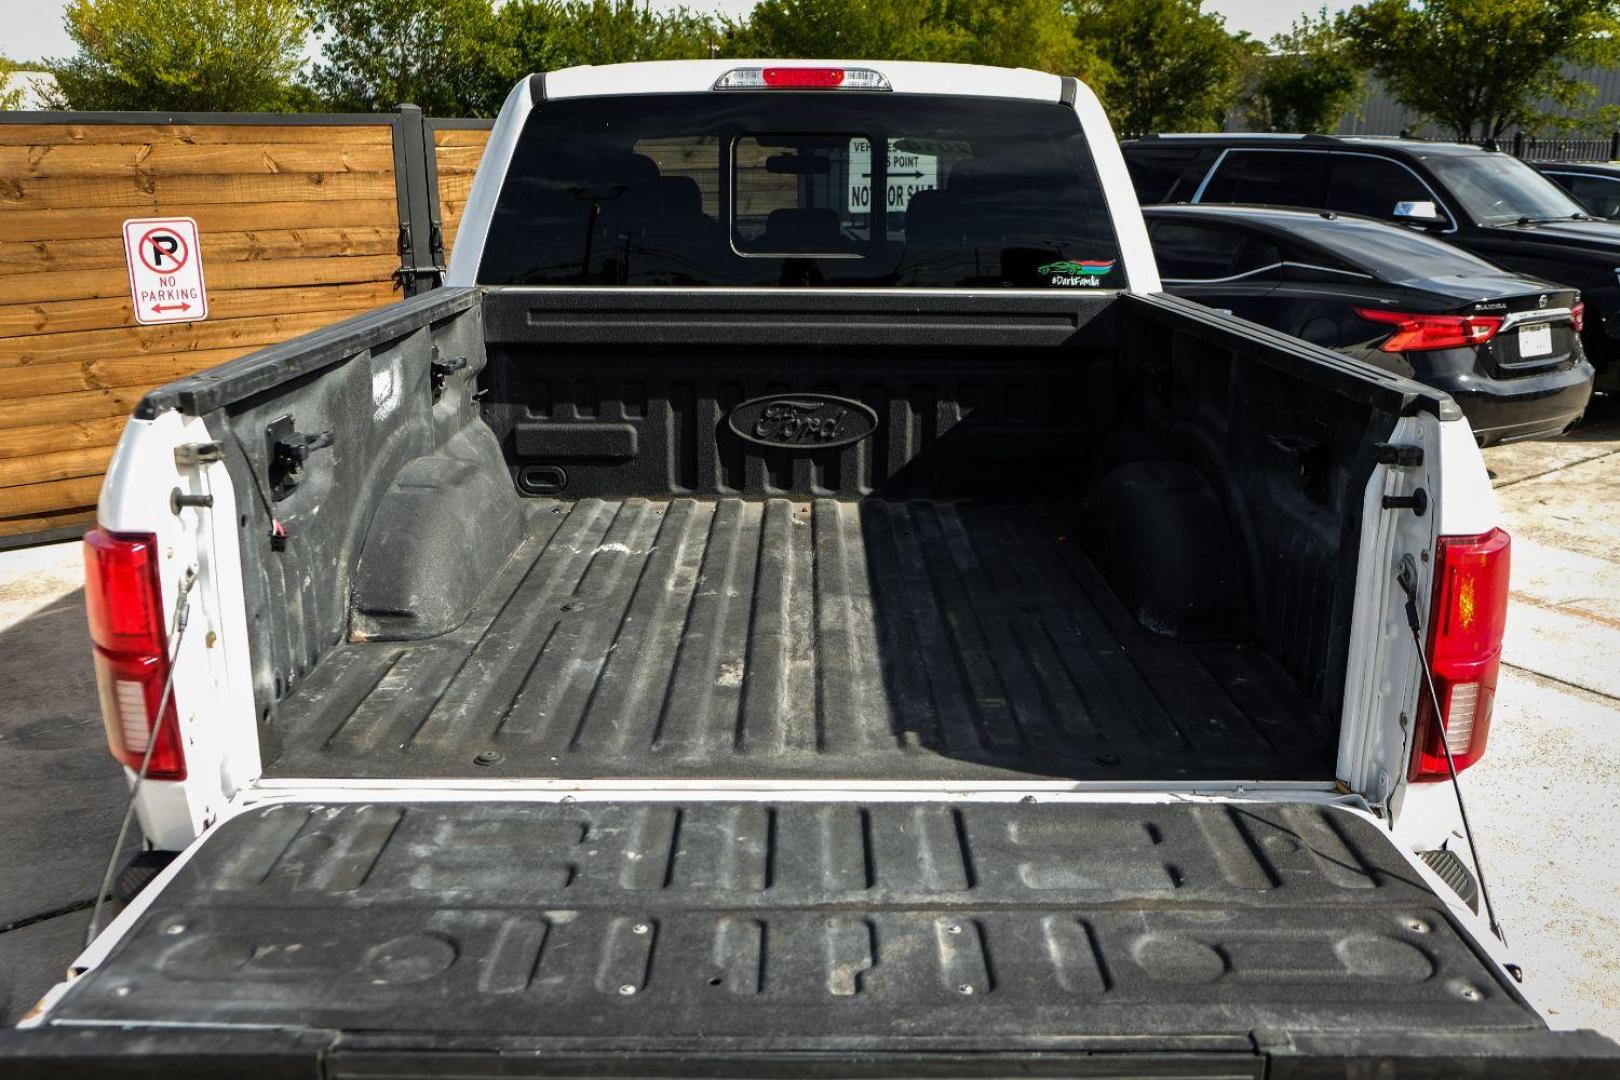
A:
[(303, 220), (1381, 114)]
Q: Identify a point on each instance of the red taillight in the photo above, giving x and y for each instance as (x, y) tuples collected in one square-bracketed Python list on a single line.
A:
[(124, 600), (807, 77), (1416, 333), (1577, 315), (1465, 651), (802, 78)]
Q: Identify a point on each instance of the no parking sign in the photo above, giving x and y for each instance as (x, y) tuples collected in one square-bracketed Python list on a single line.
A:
[(165, 270)]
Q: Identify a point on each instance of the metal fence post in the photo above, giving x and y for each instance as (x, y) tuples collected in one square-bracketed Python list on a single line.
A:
[(1518, 144), (416, 190)]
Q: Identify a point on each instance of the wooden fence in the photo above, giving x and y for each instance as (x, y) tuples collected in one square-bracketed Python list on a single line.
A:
[(303, 220)]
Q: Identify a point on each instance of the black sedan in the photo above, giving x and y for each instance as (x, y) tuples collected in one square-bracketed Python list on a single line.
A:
[(1504, 345), (1594, 186)]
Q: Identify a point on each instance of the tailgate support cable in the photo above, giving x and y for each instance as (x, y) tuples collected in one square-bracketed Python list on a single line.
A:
[(182, 614), (1407, 579)]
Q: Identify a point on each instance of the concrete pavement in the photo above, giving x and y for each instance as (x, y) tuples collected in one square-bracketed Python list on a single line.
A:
[(61, 794), (1544, 798)]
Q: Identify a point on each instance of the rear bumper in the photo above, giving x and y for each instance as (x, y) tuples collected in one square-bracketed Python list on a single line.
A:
[(116, 1053), (1534, 406)]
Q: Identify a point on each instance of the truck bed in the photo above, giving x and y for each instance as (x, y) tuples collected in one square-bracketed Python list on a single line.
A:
[(875, 639)]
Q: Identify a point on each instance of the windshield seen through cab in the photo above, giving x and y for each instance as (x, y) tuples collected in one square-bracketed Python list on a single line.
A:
[(1499, 190)]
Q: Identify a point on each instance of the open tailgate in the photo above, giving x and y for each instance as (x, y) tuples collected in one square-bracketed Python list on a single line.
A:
[(696, 938)]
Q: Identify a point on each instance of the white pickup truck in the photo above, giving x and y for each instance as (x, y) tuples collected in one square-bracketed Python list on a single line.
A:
[(799, 601)]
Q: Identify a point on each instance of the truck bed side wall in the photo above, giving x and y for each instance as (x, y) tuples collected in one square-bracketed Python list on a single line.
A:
[(369, 381)]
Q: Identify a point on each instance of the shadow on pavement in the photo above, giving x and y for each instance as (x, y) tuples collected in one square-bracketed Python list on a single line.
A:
[(1602, 420), (61, 798)]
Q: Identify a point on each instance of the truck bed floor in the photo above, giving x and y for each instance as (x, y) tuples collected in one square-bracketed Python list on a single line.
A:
[(745, 639)]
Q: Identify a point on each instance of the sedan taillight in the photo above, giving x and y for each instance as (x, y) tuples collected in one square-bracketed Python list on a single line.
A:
[(1419, 333)]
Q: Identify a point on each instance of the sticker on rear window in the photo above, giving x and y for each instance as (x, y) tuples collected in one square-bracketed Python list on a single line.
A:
[(1086, 272)]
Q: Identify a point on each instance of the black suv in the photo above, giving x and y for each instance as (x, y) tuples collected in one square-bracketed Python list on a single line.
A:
[(1487, 202), (1595, 186)]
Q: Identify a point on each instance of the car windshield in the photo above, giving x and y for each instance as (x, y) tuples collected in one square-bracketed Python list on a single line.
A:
[(1389, 252), (805, 189), (1499, 190)]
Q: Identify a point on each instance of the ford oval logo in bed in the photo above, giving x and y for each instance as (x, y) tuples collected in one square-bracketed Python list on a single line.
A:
[(803, 421)]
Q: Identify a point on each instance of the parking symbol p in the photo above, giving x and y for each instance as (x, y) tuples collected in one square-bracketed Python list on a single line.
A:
[(163, 251)]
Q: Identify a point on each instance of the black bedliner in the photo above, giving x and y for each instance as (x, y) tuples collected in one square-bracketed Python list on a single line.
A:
[(669, 929), (944, 639)]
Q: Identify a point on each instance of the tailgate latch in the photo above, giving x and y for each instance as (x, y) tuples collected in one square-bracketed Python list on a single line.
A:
[(287, 451), (1400, 455)]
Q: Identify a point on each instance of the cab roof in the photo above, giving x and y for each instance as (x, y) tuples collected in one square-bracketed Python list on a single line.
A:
[(697, 76)]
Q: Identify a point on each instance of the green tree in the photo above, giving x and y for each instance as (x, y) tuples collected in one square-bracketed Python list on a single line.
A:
[(545, 34), (1479, 66), (1037, 34), (1174, 66), (448, 56), (848, 30), (1309, 79), (1013, 33), (215, 55)]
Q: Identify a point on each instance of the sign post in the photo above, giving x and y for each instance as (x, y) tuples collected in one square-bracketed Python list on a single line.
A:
[(165, 270)]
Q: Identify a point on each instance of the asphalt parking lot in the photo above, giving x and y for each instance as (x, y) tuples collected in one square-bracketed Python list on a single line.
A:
[(1542, 799)]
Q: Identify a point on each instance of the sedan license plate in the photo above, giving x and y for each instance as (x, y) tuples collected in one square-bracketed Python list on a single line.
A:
[(1535, 341)]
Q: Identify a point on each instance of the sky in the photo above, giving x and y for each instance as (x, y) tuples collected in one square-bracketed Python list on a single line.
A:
[(33, 28)]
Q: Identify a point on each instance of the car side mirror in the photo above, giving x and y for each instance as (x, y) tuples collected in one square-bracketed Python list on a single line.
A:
[(1418, 212)]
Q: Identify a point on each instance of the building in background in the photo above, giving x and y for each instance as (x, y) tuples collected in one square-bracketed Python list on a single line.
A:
[(1381, 114)]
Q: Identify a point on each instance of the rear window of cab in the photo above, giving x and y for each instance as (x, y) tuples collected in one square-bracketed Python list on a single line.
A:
[(802, 189)]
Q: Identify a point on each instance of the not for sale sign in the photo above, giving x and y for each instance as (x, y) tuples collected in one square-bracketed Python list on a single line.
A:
[(165, 270)]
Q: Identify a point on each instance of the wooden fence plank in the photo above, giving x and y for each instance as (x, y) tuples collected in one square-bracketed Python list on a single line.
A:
[(71, 316), (455, 187), (68, 435), (101, 253), (50, 497), (161, 194), (61, 465), (84, 284), (446, 137), (179, 159), (65, 408), (90, 222), (37, 350), (38, 523), (458, 160), (148, 371), (380, 133)]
